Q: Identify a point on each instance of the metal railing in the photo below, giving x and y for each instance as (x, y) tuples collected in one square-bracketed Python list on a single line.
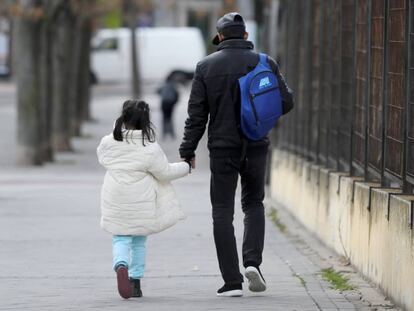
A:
[(350, 63)]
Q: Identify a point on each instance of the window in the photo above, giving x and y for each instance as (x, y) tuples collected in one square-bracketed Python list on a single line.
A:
[(109, 44)]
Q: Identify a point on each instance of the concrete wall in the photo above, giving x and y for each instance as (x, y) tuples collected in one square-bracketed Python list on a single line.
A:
[(335, 208)]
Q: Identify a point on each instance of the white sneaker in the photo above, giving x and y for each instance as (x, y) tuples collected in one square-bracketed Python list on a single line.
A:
[(256, 280), (230, 291)]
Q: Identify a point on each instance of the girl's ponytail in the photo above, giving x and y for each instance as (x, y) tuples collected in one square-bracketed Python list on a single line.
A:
[(135, 116), (118, 128)]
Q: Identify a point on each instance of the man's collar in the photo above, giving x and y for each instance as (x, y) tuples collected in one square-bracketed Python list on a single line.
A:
[(235, 44)]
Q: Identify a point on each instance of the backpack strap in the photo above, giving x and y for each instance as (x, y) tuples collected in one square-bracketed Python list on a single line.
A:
[(263, 59)]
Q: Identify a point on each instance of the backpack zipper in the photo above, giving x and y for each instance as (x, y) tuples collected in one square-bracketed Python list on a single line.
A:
[(265, 91)]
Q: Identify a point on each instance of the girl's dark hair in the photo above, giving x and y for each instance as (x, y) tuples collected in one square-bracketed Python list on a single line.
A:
[(135, 116)]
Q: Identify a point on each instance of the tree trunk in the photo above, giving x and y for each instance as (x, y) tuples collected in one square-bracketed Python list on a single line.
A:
[(131, 12), (74, 73), (85, 78), (80, 92), (27, 38), (46, 90), (62, 62), (136, 90)]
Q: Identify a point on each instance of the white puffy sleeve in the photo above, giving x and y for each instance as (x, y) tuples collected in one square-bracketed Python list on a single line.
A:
[(101, 151), (162, 170)]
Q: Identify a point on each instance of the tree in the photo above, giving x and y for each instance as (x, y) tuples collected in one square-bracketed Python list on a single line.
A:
[(80, 74), (27, 52), (62, 62), (46, 87), (131, 13), (51, 54), (52, 59)]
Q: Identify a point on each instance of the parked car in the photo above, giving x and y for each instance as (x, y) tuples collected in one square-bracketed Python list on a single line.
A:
[(161, 51)]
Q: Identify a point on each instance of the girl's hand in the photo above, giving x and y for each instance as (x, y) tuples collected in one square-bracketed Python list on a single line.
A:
[(191, 162)]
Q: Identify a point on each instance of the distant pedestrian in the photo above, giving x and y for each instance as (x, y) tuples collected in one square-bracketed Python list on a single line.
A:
[(137, 198), (215, 99), (169, 98)]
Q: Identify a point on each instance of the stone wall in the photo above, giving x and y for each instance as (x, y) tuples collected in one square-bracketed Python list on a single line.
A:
[(371, 226)]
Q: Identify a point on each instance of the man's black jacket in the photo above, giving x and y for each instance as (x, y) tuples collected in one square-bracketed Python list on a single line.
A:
[(215, 93)]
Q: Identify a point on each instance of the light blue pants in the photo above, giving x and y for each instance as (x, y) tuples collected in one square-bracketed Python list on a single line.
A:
[(129, 250)]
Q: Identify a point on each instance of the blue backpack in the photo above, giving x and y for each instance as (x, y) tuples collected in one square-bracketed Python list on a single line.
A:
[(261, 102)]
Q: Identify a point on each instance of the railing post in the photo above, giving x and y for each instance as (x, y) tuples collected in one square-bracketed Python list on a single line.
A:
[(351, 166), (339, 95), (308, 77), (407, 187), (368, 90), (384, 93)]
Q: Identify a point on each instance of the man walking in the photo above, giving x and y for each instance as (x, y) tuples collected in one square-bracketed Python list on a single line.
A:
[(169, 98), (215, 96)]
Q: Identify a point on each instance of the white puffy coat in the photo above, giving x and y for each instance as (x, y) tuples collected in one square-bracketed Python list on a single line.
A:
[(137, 197)]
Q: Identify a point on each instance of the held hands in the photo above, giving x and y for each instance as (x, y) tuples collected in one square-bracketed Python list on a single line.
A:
[(191, 162)]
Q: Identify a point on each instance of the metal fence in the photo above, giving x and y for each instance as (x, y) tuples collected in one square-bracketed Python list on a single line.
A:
[(350, 63)]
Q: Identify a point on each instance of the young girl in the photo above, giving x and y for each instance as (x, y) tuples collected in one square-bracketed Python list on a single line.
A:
[(137, 198)]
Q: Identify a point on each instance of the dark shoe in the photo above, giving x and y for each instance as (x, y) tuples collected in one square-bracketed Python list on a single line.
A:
[(256, 281), (234, 290), (136, 287), (124, 288)]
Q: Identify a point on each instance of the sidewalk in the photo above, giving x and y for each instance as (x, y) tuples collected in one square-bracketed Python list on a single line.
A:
[(54, 256)]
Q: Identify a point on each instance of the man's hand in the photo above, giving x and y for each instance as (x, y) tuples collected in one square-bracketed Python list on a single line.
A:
[(191, 162)]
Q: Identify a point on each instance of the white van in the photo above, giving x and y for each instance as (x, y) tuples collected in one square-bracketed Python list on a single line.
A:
[(160, 52)]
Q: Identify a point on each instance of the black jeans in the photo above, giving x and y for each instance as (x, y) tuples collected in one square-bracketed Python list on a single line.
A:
[(167, 124), (224, 177)]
